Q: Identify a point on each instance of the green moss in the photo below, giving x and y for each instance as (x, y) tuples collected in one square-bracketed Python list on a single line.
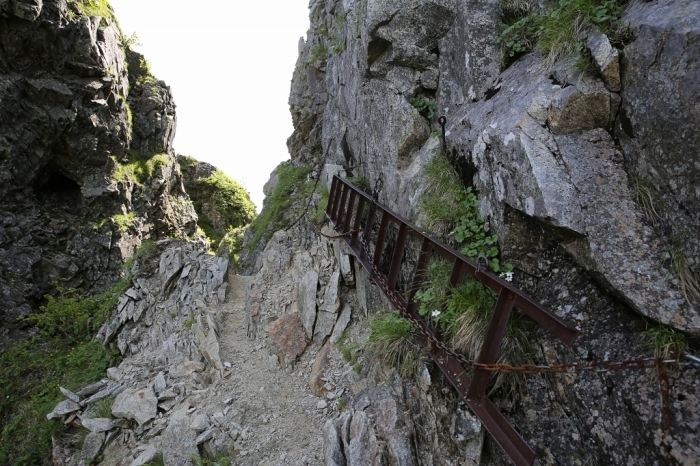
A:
[(139, 167), (282, 207), (91, 8)]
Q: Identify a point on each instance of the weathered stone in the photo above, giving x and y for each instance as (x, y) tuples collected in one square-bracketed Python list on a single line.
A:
[(318, 369), (186, 368), (307, 300), (200, 423), (332, 445), (139, 405), (178, 441), (288, 338), (92, 445), (69, 394), (581, 106), (341, 324), (606, 58), (97, 424), (328, 311), (64, 407), (146, 456), (159, 384)]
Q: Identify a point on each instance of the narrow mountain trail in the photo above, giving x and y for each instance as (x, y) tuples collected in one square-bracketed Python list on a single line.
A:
[(277, 417)]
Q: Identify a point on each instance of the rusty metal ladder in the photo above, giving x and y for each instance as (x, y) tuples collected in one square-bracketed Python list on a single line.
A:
[(349, 208)]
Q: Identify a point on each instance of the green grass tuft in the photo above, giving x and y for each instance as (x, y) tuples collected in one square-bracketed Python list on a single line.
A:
[(558, 33), (392, 342), (664, 341)]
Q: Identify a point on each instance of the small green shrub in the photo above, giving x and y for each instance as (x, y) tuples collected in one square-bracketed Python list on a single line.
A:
[(664, 341), (228, 199), (425, 106), (322, 30), (232, 244), (392, 341), (189, 323), (139, 69)]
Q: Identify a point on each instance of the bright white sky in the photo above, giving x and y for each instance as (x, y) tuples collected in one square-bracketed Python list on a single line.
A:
[(229, 64)]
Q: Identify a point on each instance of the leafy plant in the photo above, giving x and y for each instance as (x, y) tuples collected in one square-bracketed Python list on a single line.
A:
[(189, 323), (425, 106), (664, 341)]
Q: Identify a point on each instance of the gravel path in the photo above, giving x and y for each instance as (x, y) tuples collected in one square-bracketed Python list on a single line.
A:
[(279, 419)]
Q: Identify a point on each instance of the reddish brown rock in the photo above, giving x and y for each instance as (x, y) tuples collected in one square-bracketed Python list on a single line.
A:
[(288, 337)]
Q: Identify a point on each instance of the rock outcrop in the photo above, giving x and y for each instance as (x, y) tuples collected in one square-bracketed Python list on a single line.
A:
[(68, 123)]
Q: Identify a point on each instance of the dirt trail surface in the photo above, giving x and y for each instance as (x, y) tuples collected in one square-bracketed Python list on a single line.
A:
[(280, 422)]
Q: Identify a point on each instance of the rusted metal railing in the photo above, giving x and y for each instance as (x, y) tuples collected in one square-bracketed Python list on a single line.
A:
[(354, 213)]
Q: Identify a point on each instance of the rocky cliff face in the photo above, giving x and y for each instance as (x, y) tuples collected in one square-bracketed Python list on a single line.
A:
[(589, 180), (70, 122)]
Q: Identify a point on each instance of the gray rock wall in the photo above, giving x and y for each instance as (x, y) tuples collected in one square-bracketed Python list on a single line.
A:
[(63, 125), (557, 158)]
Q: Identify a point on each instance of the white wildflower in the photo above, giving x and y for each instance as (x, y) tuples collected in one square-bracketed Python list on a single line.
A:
[(436, 313), (507, 276)]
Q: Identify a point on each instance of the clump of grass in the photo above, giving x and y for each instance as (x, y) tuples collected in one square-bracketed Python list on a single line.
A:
[(558, 33), (102, 408), (645, 189), (189, 323), (681, 268), (664, 341), (392, 341), (451, 212), (283, 205)]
